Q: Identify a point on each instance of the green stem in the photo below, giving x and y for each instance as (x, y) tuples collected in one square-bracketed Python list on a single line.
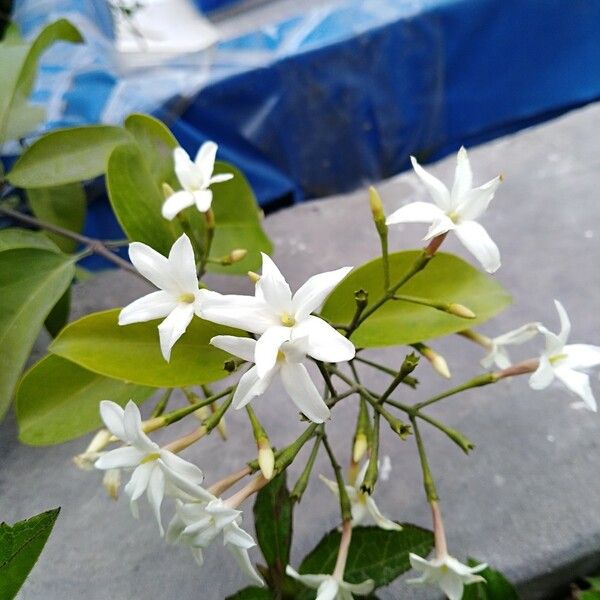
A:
[(345, 505), (410, 381), (325, 373), (179, 414), (161, 405), (428, 482), (370, 479), (208, 240), (478, 381), (300, 486), (285, 457)]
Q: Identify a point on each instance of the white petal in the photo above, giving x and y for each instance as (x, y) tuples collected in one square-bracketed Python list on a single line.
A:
[(273, 287), (203, 200), (581, 356), (324, 342), (177, 202), (543, 375), (554, 345), (139, 482), (244, 312), (198, 556), (205, 160), (498, 356), (302, 391), (362, 589), (311, 581), (440, 226), (518, 336), (176, 465), (267, 348), (565, 323), (312, 294), (477, 241), (250, 386), (156, 492), (243, 560), (132, 422), (578, 383), (475, 202), (220, 178), (463, 176), (437, 190), (175, 528), (332, 485), (190, 177), (416, 212), (112, 415), (173, 327), (452, 585), (380, 520), (328, 590), (238, 346), (120, 458), (152, 265), (147, 308), (234, 534), (182, 263)]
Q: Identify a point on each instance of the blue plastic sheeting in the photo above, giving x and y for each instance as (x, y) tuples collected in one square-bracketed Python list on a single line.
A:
[(210, 5), (321, 103)]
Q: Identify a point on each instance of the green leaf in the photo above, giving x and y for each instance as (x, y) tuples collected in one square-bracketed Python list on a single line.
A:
[(238, 223), (252, 593), (374, 553), (20, 547), (496, 586), (57, 400), (63, 205), (137, 199), (273, 512), (447, 278), (132, 353), (31, 283), (67, 156), (16, 237), (18, 70), (59, 315), (589, 595)]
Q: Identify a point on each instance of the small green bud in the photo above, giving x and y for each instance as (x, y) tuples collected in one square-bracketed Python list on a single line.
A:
[(461, 311), (167, 190)]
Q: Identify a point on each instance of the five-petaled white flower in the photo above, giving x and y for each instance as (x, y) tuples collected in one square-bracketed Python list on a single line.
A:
[(330, 587), (456, 210), (156, 471), (195, 178), (198, 523), (288, 365), (364, 509), (498, 354), (179, 297), (563, 361), (449, 574)]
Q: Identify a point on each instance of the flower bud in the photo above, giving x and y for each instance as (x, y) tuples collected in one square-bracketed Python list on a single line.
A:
[(86, 460), (112, 482), (461, 311), (254, 277), (266, 458), (238, 254), (377, 211), (167, 190), (439, 364), (361, 444)]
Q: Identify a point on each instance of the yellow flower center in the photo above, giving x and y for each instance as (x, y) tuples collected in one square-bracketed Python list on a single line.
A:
[(150, 457), (287, 320), (280, 356), (188, 298), (557, 358), (453, 216)]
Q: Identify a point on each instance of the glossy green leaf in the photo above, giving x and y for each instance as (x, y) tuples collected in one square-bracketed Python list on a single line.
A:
[(589, 595), (20, 547), (137, 199), (374, 553), (252, 593), (18, 70), (67, 156), (273, 511), (31, 283), (57, 400), (132, 353), (447, 278), (496, 586), (63, 205), (13, 238)]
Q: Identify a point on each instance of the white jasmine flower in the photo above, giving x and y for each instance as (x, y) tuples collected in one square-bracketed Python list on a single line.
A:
[(195, 178), (288, 365), (564, 361), (449, 574), (278, 317), (198, 524), (456, 210), (179, 297), (155, 470), (364, 509), (94, 451), (498, 354), (330, 587)]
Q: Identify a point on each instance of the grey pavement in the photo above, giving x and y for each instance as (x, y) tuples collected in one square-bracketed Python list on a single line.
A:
[(527, 500)]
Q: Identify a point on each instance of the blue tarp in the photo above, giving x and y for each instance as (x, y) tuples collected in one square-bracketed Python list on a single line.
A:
[(341, 95)]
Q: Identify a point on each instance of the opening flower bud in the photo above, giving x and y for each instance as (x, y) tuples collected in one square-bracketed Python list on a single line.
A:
[(361, 444), (266, 458)]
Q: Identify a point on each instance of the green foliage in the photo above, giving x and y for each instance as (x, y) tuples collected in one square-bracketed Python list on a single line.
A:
[(31, 283), (20, 547), (132, 352), (273, 512), (496, 586), (18, 68), (252, 593), (57, 400), (13, 238), (447, 278), (374, 553), (59, 315), (67, 156), (63, 205)]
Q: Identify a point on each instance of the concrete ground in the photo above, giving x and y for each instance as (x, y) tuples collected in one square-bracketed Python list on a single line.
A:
[(526, 500)]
